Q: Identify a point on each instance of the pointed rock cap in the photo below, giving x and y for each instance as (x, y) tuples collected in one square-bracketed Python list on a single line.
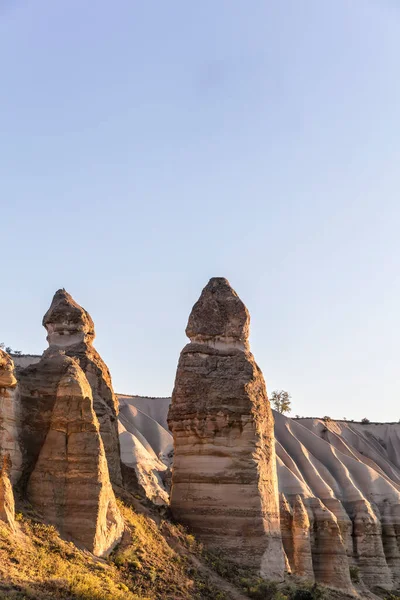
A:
[(284, 506), (219, 318), (7, 378), (67, 323)]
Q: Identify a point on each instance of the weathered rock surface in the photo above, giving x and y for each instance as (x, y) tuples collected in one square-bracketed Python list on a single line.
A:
[(328, 550), (224, 483), (10, 416), (7, 506), (354, 469), (70, 481), (302, 555), (70, 329)]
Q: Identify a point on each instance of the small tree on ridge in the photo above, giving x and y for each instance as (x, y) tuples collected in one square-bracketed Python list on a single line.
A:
[(281, 401)]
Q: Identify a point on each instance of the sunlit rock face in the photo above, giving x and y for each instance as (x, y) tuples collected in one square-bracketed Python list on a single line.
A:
[(9, 417), (224, 484), (71, 330), (70, 482), (7, 505)]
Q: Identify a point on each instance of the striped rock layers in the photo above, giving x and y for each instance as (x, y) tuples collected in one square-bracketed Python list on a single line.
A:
[(224, 483), (71, 329)]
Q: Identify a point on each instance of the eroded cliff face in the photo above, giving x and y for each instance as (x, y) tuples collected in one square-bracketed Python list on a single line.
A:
[(351, 470), (354, 470), (10, 417), (224, 483), (70, 483), (71, 330)]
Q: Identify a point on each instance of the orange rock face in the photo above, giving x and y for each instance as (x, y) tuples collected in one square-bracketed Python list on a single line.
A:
[(224, 484)]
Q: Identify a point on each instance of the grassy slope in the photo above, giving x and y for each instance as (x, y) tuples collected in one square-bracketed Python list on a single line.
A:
[(153, 561), (156, 560)]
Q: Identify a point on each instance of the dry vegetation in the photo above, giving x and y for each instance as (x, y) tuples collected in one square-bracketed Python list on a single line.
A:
[(153, 562), (156, 560)]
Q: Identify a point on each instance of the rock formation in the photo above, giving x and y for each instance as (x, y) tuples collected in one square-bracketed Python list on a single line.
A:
[(70, 482), (354, 471), (7, 507), (302, 556), (9, 416), (286, 520), (368, 546), (329, 556), (71, 329), (224, 483)]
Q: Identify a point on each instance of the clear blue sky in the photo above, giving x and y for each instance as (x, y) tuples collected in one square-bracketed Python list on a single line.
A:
[(148, 146)]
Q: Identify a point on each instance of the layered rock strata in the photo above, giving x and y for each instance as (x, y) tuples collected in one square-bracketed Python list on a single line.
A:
[(224, 484), (70, 329), (302, 556), (354, 471), (70, 483), (10, 417)]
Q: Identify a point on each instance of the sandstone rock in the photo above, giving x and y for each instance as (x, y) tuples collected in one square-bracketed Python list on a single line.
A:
[(286, 520), (10, 416), (219, 318), (70, 482), (302, 556), (38, 386), (71, 329), (391, 539), (7, 507), (368, 546), (224, 483), (330, 562)]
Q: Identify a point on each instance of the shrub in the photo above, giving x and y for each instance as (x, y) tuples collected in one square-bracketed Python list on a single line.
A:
[(315, 592), (354, 574), (365, 420)]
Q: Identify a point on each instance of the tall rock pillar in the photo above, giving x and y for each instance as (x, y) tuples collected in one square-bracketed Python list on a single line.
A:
[(10, 417), (224, 482), (70, 329)]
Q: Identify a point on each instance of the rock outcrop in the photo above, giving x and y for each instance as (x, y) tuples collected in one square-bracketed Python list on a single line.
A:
[(70, 329), (7, 505), (224, 484), (70, 482), (354, 469), (10, 417), (302, 555), (328, 550)]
